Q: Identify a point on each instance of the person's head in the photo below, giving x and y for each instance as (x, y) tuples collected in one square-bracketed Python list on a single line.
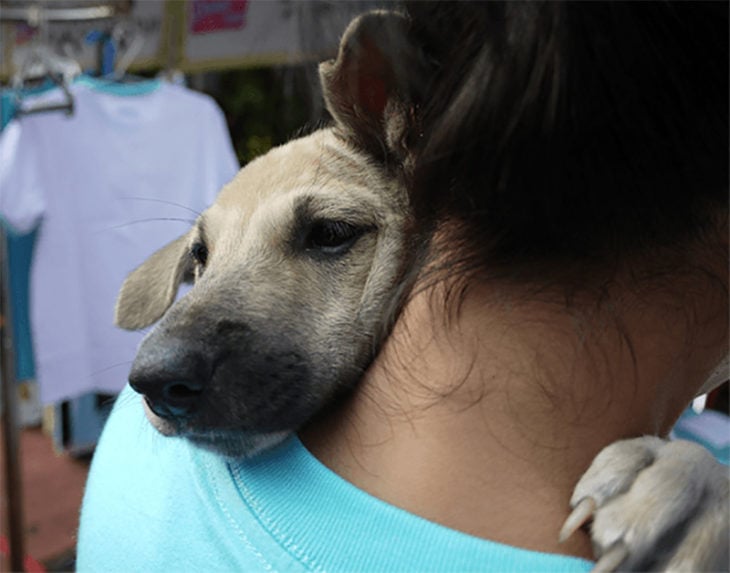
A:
[(561, 137), (568, 147), (569, 155)]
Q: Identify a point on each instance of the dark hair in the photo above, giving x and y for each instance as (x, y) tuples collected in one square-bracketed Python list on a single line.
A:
[(572, 131)]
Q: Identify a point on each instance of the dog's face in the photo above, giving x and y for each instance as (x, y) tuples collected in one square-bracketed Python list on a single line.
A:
[(295, 268), (298, 268)]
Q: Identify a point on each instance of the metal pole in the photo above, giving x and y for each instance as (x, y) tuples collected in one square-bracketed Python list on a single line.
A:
[(10, 427), (31, 13)]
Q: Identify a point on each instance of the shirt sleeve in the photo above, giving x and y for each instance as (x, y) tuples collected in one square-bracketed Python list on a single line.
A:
[(21, 193)]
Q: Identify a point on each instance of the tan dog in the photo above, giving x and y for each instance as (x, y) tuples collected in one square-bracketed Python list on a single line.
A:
[(299, 268)]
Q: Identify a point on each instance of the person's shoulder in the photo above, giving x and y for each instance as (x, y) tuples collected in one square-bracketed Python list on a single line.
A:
[(131, 452), (158, 503)]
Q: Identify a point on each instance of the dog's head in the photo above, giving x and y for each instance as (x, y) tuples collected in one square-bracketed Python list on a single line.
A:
[(298, 267)]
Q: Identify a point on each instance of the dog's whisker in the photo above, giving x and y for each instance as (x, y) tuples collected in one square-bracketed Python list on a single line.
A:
[(165, 202), (111, 367), (150, 220), (109, 401), (126, 400)]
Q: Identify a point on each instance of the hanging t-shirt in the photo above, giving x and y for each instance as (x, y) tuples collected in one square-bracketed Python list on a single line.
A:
[(109, 185), (159, 504)]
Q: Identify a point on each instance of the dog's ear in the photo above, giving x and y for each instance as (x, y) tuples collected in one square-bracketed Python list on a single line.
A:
[(150, 289), (373, 87)]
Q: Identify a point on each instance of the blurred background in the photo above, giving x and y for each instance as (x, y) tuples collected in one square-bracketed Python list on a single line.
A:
[(119, 122), (99, 102)]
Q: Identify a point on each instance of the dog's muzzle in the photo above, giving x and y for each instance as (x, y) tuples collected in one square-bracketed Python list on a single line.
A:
[(224, 385)]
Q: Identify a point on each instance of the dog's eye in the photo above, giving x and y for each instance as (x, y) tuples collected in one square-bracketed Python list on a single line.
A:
[(199, 252), (333, 237)]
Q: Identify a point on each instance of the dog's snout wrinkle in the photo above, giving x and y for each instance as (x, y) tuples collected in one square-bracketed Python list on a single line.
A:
[(226, 327)]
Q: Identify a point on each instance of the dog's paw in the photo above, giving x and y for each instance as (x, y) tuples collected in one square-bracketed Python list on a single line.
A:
[(655, 505)]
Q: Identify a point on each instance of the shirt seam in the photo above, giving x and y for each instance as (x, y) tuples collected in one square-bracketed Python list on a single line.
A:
[(236, 527), (283, 540)]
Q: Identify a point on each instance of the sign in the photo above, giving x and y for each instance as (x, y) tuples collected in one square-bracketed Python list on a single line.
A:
[(217, 15)]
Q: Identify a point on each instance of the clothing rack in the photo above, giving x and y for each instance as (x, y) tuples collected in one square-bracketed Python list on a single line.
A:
[(10, 428), (36, 14)]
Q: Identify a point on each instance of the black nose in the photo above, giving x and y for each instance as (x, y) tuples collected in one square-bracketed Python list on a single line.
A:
[(171, 375), (175, 400)]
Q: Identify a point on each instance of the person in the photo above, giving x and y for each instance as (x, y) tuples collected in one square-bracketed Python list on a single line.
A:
[(571, 169)]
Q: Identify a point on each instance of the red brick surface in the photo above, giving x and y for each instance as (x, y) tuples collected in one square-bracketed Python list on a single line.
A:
[(52, 490)]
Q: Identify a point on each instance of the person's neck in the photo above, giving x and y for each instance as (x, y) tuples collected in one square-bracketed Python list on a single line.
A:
[(485, 425)]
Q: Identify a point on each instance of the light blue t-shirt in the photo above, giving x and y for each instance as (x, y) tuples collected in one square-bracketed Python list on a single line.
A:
[(159, 504)]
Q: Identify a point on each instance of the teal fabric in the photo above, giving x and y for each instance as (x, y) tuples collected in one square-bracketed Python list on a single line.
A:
[(130, 87), (158, 504), (710, 429), (20, 254)]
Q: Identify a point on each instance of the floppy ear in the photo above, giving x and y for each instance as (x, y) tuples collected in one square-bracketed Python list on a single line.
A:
[(150, 289), (373, 87)]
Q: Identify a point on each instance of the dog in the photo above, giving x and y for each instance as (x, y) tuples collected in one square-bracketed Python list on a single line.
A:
[(296, 270), (299, 269)]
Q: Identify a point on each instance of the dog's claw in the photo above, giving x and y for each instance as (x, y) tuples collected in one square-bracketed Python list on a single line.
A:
[(581, 513), (612, 558), (654, 507)]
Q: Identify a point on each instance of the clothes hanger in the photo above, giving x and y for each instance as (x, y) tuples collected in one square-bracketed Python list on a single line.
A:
[(129, 41), (118, 48), (40, 65)]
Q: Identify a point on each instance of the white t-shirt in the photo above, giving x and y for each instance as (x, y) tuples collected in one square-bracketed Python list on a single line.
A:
[(109, 185)]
